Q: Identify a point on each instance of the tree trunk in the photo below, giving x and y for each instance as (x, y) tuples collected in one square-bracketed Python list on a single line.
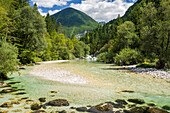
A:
[(3, 76)]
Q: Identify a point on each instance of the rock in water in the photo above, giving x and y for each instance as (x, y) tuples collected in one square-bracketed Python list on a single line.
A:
[(103, 107), (137, 110), (137, 101), (156, 110), (3, 84), (121, 101), (6, 105), (166, 107), (42, 99), (81, 109), (58, 102), (35, 106)]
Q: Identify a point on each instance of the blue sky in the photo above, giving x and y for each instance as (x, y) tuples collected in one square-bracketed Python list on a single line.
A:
[(100, 10)]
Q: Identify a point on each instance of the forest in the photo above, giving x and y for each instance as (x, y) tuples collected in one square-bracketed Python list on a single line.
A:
[(27, 37), (142, 35)]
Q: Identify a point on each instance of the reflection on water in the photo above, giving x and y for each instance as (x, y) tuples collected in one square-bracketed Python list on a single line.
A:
[(103, 85)]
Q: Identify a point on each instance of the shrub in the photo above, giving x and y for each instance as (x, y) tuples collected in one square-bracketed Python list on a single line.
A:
[(102, 57), (128, 57), (8, 59), (146, 65)]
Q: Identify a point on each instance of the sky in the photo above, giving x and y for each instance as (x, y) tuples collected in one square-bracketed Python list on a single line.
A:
[(99, 10)]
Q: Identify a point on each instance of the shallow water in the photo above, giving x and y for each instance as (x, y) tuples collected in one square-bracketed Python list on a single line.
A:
[(104, 84)]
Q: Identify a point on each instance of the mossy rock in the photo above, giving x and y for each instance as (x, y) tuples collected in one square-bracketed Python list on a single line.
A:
[(103, 107), (35, 106), (6, 105), (156, 110), (137, 101), (58, 102)]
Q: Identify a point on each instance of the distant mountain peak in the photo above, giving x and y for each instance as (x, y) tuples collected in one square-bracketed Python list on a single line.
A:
[(74, 21)]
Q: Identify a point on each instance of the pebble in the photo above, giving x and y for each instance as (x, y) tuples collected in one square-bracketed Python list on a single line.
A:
[(158, 73)]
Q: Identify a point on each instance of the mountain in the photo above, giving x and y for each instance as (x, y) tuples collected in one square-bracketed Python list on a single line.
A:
[(74, 21)]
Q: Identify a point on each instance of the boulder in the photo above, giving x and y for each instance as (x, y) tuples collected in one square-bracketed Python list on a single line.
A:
[(81, 109), (58, 102), (137, 101), (42, 99), (8, 90), (137, 110), (103, 107), (3, 84), (166, 107), (127, 91), (121, 101), (35, 106), (156, 110), (6, 105), (63, 111), (118, 106)]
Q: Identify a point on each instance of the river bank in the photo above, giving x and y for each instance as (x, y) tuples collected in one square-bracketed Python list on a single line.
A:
[(103, 84)]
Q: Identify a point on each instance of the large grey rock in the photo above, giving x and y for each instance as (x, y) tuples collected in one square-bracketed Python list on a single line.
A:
[(58, 102)]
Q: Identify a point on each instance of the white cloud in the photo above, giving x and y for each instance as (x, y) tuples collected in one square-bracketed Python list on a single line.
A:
[(50, 12), (102, 10), (50, 3)]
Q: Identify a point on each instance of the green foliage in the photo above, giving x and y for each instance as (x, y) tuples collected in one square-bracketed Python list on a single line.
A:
[(128, 56), (74, 21), (155, 34), (146, 65), (8, 58), (81, 49), (30, 31), (102, 57)]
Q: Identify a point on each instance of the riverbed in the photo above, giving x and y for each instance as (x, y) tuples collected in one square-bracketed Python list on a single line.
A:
[(85, 83)]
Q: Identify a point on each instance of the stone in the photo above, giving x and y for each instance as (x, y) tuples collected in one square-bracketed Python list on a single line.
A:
[(42, 99), (137, 110), (44, 106), (3, 84), (20, 93), (118, 106), (35, 106), (72, 107), (39, 111), (6, 105), (8, 90), (81, 109), (156, 110), (15, 102), (150, 104), (24, 98), (121, 101), (17, 110), (63, 111), (137, 101), (53, 92), (166, 107), (127, 91), (58, 102), (103, 107)]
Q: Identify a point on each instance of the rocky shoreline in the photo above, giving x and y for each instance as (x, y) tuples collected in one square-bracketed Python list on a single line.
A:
[(118, 106), (158, 73)]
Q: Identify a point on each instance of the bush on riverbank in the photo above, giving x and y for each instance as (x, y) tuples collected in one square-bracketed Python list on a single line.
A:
[(8, 58), (128, 57)]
